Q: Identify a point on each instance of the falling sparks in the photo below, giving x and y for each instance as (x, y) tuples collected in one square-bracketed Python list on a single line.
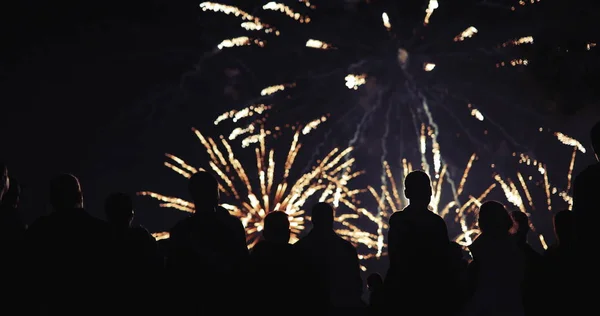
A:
[(569, 141), (386, 21), (313, 125), (287, 11), (468, 33), (428, 66), (313, 43), (519, 41), (476, 113), (276, 88), (240, 41), (433, 4), (256, 23), (513, 63), (523, 3), (354, 81), (251, 197)]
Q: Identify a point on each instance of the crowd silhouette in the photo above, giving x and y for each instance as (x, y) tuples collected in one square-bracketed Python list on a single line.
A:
[(69, 262)]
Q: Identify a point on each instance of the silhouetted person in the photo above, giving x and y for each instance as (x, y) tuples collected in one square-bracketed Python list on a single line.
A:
[(459, 274), (12, 227), (207, 251), (560, 265), (586, 190), (376, 294), (586, 208), (12, 230), (532, 293), (135, 255), (277, 268), (135, 245), (333, 258), (499, 265), (418, 247), (68, 251)]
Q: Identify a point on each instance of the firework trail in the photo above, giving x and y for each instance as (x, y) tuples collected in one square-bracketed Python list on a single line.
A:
[(252, 193)]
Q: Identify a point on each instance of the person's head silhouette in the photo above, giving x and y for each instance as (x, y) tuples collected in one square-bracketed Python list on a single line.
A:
[(494, 220), (277, 228), (12, 195), (564, 226), (118, 208), (322, 216), (204, 189), (522, 222), (417, 188), (65, 192), (595, 136), (4, 181)]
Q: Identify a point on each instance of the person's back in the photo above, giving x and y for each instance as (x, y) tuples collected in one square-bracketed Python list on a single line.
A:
[(560, 265), (586, 208), (12, 228), (333, 258), (208, 249), (134, 247), (418, 246), (278, 267), (532, 290), (498, 264), (68, 247), (134, 255)]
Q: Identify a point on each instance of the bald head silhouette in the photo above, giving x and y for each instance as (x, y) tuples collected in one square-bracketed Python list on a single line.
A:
[(65, 192), (417, 188), (204, 189), (322, 216), (277, 228), (118, 208), (494, 219), (595, 136)]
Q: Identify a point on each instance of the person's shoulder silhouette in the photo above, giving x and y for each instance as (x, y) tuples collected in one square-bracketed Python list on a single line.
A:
[(68, 214), (333, 258), (12, 226), (73, 245), (416, 228), (210, 234), (586, 186), (4, 180)]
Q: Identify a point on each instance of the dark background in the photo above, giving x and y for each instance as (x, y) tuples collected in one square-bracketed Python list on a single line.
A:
[(93, 88)]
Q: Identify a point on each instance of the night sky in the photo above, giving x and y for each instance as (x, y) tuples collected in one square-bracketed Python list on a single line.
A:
[(93, 88)]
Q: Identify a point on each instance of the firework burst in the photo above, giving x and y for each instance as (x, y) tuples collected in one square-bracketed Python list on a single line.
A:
[(252, 194), (392, 72)]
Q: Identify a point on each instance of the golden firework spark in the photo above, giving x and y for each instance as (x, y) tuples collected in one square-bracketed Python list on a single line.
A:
[(252, 196)]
